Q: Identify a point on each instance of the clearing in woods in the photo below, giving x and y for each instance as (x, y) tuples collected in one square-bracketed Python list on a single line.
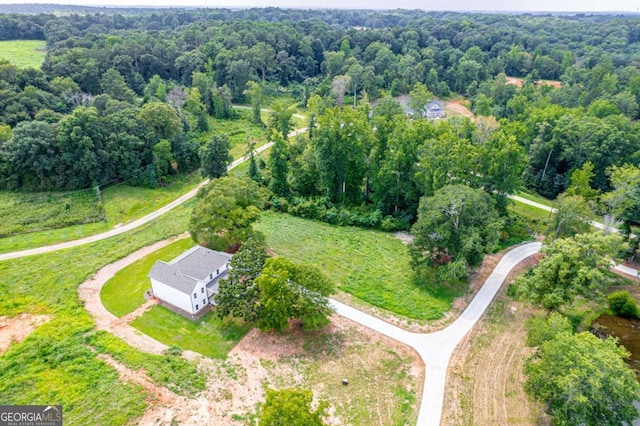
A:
[(24, 53), (485, 383)]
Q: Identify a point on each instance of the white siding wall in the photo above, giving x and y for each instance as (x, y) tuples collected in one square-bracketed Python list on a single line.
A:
[(202, 300), (173, 296)]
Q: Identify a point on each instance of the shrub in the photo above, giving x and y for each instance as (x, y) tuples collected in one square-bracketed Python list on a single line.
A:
[(622, 304)]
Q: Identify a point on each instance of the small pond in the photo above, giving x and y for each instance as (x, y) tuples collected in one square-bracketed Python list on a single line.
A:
[(628, 333)]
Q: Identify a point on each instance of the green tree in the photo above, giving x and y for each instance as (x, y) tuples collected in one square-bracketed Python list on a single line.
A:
[(113, 84), (161, 119), (163, 158), (238, 294), (289, 291), (581, 182), (570, 267), (5, 133), (278, 165), (583, 380), (458, 222), (226, 210), (254, 91), (341, 145), (542, 329), (281, 114), (215, 157), (292, 407), (156, 88), (624, 200), (623, 304), (572, 216), (195, 106), (419, 97), (315, 108)]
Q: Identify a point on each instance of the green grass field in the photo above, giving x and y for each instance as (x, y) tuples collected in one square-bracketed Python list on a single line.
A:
[(209, 336), (31, 212), (371, 265), (54, 362), (124, 293), (42, 238), (24, 53), (123, 203)]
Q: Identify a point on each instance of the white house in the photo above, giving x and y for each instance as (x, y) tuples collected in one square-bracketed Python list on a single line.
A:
[(435, 110), (187, 283)]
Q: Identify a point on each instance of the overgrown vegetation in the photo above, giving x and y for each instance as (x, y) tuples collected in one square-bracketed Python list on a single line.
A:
[(30, 212)]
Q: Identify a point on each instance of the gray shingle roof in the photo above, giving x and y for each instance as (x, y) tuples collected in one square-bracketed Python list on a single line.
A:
[(194, 265)]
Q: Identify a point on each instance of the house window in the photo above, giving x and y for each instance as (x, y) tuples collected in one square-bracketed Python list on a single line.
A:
[(197, 307), (195, 295), (202, 290), (217, 271), (204, 302)]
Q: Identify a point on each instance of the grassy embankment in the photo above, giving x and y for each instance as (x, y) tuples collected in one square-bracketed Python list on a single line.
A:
[(24, 53), (371, 265), (58, 361)]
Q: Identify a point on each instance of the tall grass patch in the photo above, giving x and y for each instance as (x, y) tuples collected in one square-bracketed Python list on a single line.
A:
[(371, 265), (29, 212), (24, 53)]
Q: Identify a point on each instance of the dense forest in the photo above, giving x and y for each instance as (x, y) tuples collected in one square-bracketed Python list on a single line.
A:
[(127, 96)]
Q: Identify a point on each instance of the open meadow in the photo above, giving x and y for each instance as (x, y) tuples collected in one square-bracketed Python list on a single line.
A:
[(370, 265), (24, 53)]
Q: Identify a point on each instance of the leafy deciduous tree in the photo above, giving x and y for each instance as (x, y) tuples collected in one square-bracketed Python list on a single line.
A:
[(570, 267), (215, 157), (289, 291), (583, 380), (226, 210)]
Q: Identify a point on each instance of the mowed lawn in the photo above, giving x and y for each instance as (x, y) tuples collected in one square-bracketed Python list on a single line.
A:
[(371, 265), (209, 335), (24, 53), (123, 293)]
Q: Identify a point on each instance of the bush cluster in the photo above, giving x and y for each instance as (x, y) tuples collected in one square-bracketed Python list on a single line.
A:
[(322, 209), (622, 304)]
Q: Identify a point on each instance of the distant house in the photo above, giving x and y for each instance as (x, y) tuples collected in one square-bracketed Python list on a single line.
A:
[(435, 109), (188, 283)]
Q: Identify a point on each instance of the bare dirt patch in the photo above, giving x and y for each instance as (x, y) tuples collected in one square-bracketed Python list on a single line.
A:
[(457, 107), (383, 375), (485, 383), (16, 329), (519, 81)]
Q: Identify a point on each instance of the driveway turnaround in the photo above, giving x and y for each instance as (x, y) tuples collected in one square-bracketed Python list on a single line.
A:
[(436, 348)]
